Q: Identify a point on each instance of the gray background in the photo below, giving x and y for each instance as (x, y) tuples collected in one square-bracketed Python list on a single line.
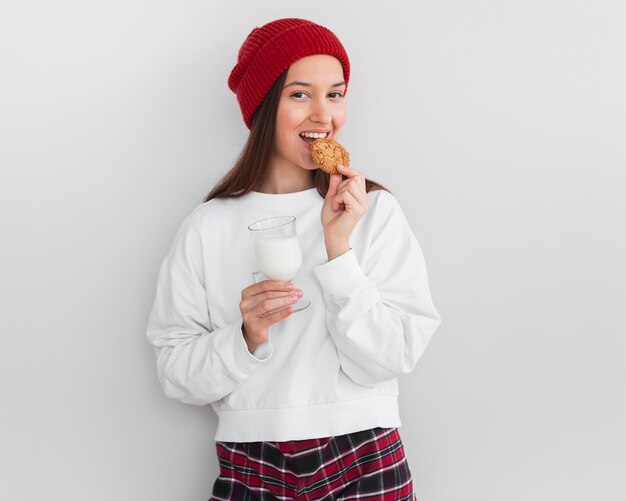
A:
[(499, 126)]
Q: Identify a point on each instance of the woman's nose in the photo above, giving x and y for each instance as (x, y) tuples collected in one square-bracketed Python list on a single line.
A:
[(320, 111)]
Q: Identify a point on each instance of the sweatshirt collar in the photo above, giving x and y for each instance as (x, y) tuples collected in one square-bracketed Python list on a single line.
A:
[(282, 200)]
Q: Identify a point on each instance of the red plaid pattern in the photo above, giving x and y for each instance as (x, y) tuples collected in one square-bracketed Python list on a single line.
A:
[(367, 464)]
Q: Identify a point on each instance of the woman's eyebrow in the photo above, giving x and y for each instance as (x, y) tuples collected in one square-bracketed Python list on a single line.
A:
[(305, 84)]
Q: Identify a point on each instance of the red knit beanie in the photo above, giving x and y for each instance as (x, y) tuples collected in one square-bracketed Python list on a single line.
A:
[(270, 50)]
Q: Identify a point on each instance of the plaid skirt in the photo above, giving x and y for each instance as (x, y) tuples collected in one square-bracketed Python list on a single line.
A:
[(367, 464)]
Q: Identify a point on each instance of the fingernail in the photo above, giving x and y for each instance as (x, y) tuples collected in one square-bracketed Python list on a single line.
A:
[(289, 286)]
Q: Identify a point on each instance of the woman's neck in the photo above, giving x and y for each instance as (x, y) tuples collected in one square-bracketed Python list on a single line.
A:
[(279, 181)]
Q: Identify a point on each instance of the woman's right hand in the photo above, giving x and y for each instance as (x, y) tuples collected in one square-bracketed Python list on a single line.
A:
[(258, 304)]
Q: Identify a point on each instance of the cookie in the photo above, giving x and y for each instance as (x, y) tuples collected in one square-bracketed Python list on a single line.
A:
[(327, 153)]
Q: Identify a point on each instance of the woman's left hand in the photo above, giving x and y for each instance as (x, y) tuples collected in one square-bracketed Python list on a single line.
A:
[(345, 203)]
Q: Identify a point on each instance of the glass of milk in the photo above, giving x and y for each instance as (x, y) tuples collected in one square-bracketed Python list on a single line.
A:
[(277, 251)]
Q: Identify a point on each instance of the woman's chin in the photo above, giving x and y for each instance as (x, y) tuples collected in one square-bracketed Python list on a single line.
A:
[(308, 163)]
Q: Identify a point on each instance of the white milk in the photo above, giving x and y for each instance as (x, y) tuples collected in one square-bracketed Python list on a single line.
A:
[(278, 259)]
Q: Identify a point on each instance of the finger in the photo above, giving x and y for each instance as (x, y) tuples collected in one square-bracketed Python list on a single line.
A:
[(352, 176), (335, 183), (277, 316), (357, 192), (264, 290), (352, 205), (275, 285), (335, 179), (352, 184), (250, 302), (266, 306), (337, 205), (347, 171), (338, 201), (266, 285)]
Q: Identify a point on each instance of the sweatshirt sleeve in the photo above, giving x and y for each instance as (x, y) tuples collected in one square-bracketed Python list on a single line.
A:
[(380, 316), (197, 362)]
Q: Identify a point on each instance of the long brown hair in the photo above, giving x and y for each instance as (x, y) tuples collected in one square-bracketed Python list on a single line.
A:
[(252, 165)]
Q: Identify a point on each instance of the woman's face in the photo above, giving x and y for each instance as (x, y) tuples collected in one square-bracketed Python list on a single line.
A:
[(311, 101)]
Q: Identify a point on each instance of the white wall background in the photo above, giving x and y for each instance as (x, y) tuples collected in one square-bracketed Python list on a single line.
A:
[(500, 127)]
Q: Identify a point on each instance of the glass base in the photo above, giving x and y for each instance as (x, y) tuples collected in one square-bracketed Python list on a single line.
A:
[(299, 305)]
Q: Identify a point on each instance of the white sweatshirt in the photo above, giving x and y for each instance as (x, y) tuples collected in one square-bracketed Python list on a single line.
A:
[(327, 370)]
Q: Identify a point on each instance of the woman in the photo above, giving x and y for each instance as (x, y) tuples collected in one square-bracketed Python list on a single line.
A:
[(306, 401)]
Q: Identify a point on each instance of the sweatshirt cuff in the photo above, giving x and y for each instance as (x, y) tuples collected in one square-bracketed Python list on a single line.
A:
[(244, 361), (341, 276)]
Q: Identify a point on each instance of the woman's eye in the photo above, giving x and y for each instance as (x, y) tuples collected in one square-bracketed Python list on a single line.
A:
[(332, 95)]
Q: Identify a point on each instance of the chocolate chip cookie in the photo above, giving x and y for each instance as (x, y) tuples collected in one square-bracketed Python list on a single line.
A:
[(327, 153)]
